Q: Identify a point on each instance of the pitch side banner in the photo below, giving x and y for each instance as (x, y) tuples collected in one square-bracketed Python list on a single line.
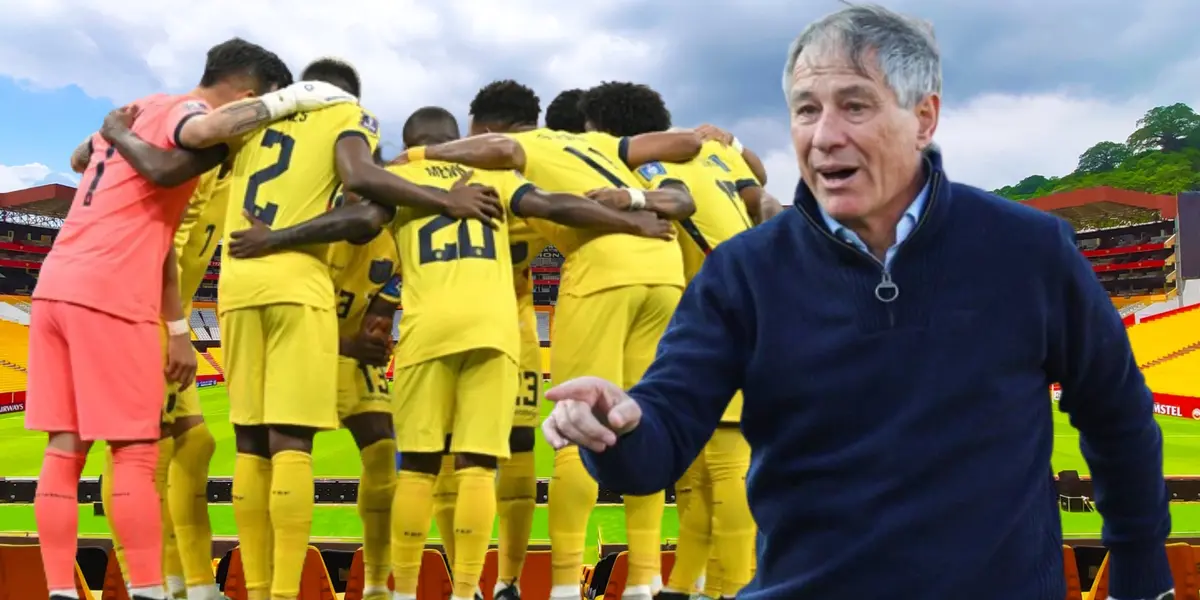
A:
[(1168, 405)]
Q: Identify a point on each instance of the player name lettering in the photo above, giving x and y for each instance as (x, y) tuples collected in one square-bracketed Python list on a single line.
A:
[(1167, 409)]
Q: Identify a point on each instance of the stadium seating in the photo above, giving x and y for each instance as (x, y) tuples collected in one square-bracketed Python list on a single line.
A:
[(22, 576), (14, 351), (218, 355), (1158, 339)]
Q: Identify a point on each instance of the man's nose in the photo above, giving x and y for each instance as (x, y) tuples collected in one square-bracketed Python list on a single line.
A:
[(829, 131)]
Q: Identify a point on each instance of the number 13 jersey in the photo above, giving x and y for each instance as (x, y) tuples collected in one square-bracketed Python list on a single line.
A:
[(285, 175), (458, 280)]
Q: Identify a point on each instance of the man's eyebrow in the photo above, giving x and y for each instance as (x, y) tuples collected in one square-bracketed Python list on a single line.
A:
[(855, 90)]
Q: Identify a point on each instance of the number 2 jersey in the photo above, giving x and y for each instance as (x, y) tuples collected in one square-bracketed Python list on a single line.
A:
[(285, 175), (565, 162), (109, 254), (714, 178), (458, 275), (360, 272)]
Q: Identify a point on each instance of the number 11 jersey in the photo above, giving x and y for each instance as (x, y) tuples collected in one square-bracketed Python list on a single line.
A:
[(285, 175), (458, 276)]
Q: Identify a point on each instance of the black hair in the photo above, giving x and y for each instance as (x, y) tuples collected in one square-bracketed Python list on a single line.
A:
[(506, 102), (623, 109), (563, 114), (430, 125), (237, 57), (334, 71)]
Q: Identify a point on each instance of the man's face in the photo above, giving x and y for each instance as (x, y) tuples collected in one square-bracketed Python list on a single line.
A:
[(858, 148)]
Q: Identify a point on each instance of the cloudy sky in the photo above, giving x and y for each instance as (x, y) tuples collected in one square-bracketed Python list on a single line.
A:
[(1029, 84)]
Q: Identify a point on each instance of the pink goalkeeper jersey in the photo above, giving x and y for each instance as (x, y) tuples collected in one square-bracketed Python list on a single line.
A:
[(109, 254)]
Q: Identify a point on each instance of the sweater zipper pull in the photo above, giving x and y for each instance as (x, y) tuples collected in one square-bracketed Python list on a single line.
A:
[(887, 290)]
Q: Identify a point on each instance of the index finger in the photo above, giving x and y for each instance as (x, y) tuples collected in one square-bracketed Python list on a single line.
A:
[(584, 389), (465, 177)]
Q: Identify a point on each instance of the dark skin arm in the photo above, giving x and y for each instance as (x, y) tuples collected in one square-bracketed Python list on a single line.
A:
[(351, 221), (760, 204), (756, 165), (672, 201), (164, 168), (372, 344), (490, 151), (667, 146), (573, 211), (361, 175)]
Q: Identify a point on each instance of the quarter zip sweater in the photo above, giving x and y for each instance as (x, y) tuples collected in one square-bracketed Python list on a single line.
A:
[(900, 424)]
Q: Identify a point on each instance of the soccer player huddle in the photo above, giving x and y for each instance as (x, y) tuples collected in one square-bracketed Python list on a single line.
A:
[(319, 234)]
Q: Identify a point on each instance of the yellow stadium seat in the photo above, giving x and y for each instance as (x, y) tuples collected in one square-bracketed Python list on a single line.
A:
[(1155, 340), (15, 348), (218, 355)]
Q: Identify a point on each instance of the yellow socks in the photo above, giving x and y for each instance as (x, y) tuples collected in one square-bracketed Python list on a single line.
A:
[(445, 497), (251, 512), (375, 491), (695, 541), (643, 525), (106, 493), (412, 510), (172, 567), (733, 525), (572, 498), (473, 518), (291, 507), (516, 489), (187, 495)]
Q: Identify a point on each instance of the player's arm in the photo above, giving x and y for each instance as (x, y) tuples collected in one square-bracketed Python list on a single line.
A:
[(667, 146), (489, 151), (360, 175), (374, 337), (671, 200), (181, 356), (204, 129), (162, 167), (759, 203), (351, 221), (753, 161), (574, 211), (81, 156)]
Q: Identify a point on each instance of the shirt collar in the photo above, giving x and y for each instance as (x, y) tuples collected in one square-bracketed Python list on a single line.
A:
[(908, 221)]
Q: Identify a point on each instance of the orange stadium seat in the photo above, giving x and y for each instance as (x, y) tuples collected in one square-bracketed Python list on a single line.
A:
[(1183, 561), (1071, 573), (114, 581), (22, 575), (314, 580), (615, 587)]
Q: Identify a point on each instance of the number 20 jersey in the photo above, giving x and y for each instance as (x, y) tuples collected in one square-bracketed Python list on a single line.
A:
[(285, 175), (458, 275)]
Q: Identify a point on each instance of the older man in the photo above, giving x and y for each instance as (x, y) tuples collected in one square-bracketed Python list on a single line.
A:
[(895, 380)]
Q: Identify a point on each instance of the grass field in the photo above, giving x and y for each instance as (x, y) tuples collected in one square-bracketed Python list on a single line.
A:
[(336, 456)]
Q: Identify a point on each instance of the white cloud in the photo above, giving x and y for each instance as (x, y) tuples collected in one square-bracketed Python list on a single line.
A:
[(22, 176)]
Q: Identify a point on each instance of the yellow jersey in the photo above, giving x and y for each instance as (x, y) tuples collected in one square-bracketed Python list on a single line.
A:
[(201, 229), (458, 275), (359, 272), (285, 175), (714, 178), (565, 162)]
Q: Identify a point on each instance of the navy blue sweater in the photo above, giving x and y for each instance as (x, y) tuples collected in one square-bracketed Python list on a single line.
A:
[(904, 447)]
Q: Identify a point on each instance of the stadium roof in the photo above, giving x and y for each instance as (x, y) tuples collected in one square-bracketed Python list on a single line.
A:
[(51, 200), (1082, 207)]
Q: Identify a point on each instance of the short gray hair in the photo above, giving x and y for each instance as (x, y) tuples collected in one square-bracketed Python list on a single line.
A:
[(905, 47)]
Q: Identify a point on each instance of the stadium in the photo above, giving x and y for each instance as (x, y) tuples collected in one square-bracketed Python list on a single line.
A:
[(1151, 270)]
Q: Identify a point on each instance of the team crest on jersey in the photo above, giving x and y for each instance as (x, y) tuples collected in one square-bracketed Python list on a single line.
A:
[(651, 170), (370, 123), (380, 271)]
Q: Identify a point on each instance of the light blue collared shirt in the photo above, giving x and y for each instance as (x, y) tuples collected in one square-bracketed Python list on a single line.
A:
[(908, 222)]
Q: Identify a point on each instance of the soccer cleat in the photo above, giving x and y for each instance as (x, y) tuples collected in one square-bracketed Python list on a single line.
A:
[(664, 595), (510, 592)]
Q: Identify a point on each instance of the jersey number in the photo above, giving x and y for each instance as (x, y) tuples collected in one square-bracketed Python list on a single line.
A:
[(345, 301), (376, 379), (266, 212), (87, 198), (209, 230), (591, 162), (530, 398), (463, 248)]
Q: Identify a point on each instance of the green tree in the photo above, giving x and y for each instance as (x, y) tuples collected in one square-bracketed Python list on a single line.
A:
[(1102, 157), (1165, 128)]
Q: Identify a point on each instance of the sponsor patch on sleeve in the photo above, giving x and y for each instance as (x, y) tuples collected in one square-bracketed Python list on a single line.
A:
[(651, 170), (370, 123)]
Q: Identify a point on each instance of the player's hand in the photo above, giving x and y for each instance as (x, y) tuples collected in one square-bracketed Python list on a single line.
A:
[(615, 198), (181, 361), (712, 132), (590, 412), (252, 242), (467, 201), (648, 224), (118, 121), (367, 348), (304, 96)]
